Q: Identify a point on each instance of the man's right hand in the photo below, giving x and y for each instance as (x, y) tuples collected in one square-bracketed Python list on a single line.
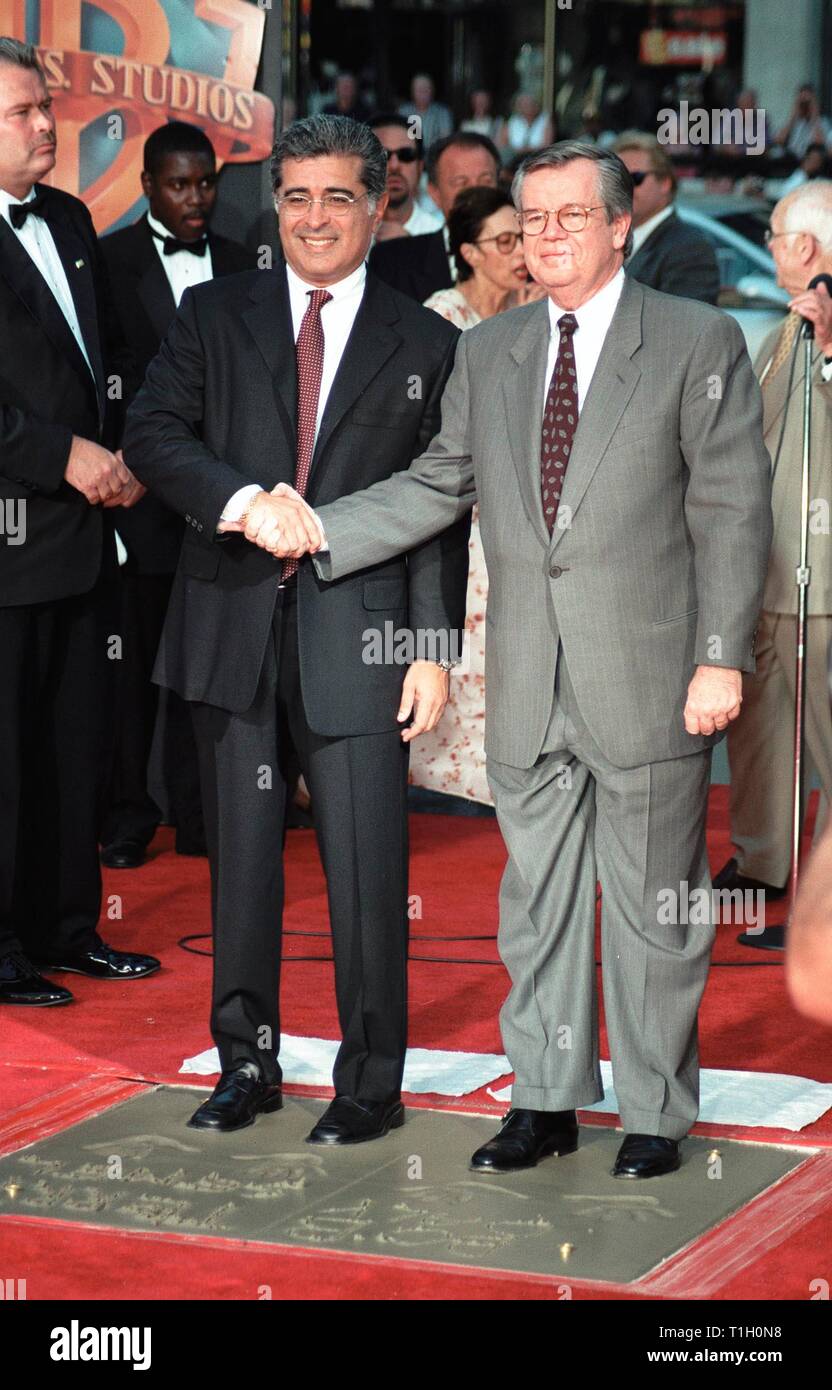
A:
[(282, 524), (98, 474)]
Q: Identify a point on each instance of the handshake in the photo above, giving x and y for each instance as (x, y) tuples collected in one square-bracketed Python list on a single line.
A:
[(280, 522)]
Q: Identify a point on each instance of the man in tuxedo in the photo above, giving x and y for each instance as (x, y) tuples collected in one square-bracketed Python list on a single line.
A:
[(420, 265), (314, 373), (625, 519), (668, 254), (63, 368), (151, 264)]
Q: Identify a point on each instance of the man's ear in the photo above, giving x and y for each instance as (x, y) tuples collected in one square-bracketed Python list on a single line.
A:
[(147, 184), (434, 193)]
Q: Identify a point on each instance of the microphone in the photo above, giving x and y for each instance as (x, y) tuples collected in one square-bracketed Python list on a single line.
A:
[(808, 326)]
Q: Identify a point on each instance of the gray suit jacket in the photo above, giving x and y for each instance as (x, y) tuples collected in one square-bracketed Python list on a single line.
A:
[(780, 594), (658, 559)]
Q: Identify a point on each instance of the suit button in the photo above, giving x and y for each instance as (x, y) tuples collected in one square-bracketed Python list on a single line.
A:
[(555, 571), (187, 518)]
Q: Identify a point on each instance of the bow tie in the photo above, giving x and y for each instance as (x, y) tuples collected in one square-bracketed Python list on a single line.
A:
[(172, 244), (18, 212)]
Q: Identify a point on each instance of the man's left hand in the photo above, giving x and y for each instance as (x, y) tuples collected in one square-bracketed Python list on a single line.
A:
[(816, 306), (425, 695), (714, 699)]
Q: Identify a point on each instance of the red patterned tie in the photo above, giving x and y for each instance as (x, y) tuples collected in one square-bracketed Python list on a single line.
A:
[(310, 355), (560, 420)]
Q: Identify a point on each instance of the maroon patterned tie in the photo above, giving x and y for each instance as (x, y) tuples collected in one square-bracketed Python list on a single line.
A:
[(560, 420), (310, 355)]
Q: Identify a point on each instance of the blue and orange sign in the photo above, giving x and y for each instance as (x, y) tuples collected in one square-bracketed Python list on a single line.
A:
[(118, 69)]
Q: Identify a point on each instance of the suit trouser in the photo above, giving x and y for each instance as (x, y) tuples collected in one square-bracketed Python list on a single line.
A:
[(132, 814), (56, 686), (359, 791), (571, 818), (761, 744)]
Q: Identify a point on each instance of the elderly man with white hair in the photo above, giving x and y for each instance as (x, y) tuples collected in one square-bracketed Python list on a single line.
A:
[(760, 743)]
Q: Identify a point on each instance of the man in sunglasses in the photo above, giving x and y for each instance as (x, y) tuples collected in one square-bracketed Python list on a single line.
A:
[(668, 254), (404, 215)]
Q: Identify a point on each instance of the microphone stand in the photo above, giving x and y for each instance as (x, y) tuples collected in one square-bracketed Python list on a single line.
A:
[(773, 938)]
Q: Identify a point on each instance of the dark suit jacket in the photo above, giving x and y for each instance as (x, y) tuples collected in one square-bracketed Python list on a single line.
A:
[(677, 259), (218, 410), (144, 301), (47, 394), (415, 265)]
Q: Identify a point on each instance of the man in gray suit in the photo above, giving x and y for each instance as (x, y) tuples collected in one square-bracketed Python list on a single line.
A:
[(612, 436), (761, 745)]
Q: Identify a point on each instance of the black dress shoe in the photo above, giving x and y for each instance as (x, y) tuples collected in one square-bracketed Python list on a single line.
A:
[(730, 877), (525, 1137), (124, 854), (646, 1156), (350, 1121), (239, 1097), (102, 962), (20, 983)]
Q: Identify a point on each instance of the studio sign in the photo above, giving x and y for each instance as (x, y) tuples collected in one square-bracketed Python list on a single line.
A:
[(128, 93)]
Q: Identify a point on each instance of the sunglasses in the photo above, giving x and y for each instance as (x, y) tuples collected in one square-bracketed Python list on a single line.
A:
[(406, 154), (639, 176)]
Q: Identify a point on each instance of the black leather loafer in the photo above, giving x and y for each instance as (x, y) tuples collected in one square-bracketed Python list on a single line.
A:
[(350, 1121), (124, 854), (647, 1156), (103, 963), (239, 1097), (729, 877), (525, 1137), (21, 983)]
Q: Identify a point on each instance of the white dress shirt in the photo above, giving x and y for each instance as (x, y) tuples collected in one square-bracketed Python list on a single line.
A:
[(640, 234), (37, 240), (420, 221), (337, 319), (594, 318), (183, 268)]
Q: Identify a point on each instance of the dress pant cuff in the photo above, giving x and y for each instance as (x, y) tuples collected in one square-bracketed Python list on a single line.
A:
[(648, 1122), (545, 1098)]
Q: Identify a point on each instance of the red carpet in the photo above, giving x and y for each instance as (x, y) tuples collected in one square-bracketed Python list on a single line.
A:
[(145, 1030)]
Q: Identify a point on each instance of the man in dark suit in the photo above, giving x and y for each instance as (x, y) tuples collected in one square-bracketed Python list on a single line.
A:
[(151, 263), (420, 265), (63, 374), (315, 372), (668, 254)]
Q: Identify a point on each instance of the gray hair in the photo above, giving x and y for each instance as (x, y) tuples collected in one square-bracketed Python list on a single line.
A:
[(321, 135), (809, 209), (615, 183), (22, 55)]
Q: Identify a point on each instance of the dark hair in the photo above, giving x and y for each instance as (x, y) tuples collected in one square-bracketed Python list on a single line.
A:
[(615, 182), (177, 137), (320, 135), (22, 55), (395, 118), (471, 210), (462, 140)]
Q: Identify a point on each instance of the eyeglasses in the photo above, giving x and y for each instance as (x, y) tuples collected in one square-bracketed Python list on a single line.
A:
[(506, 241), (337, 203), (769, 236), (405, 155), (571, 218)]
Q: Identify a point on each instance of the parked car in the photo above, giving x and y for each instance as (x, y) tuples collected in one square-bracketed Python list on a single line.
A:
[(735, 227)]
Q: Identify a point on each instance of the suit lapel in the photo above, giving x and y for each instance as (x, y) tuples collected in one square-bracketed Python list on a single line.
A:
[(371, 342), (523, 391), (75, 258), (153, 287), (26, 281), (269, 321), (612, 385)]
